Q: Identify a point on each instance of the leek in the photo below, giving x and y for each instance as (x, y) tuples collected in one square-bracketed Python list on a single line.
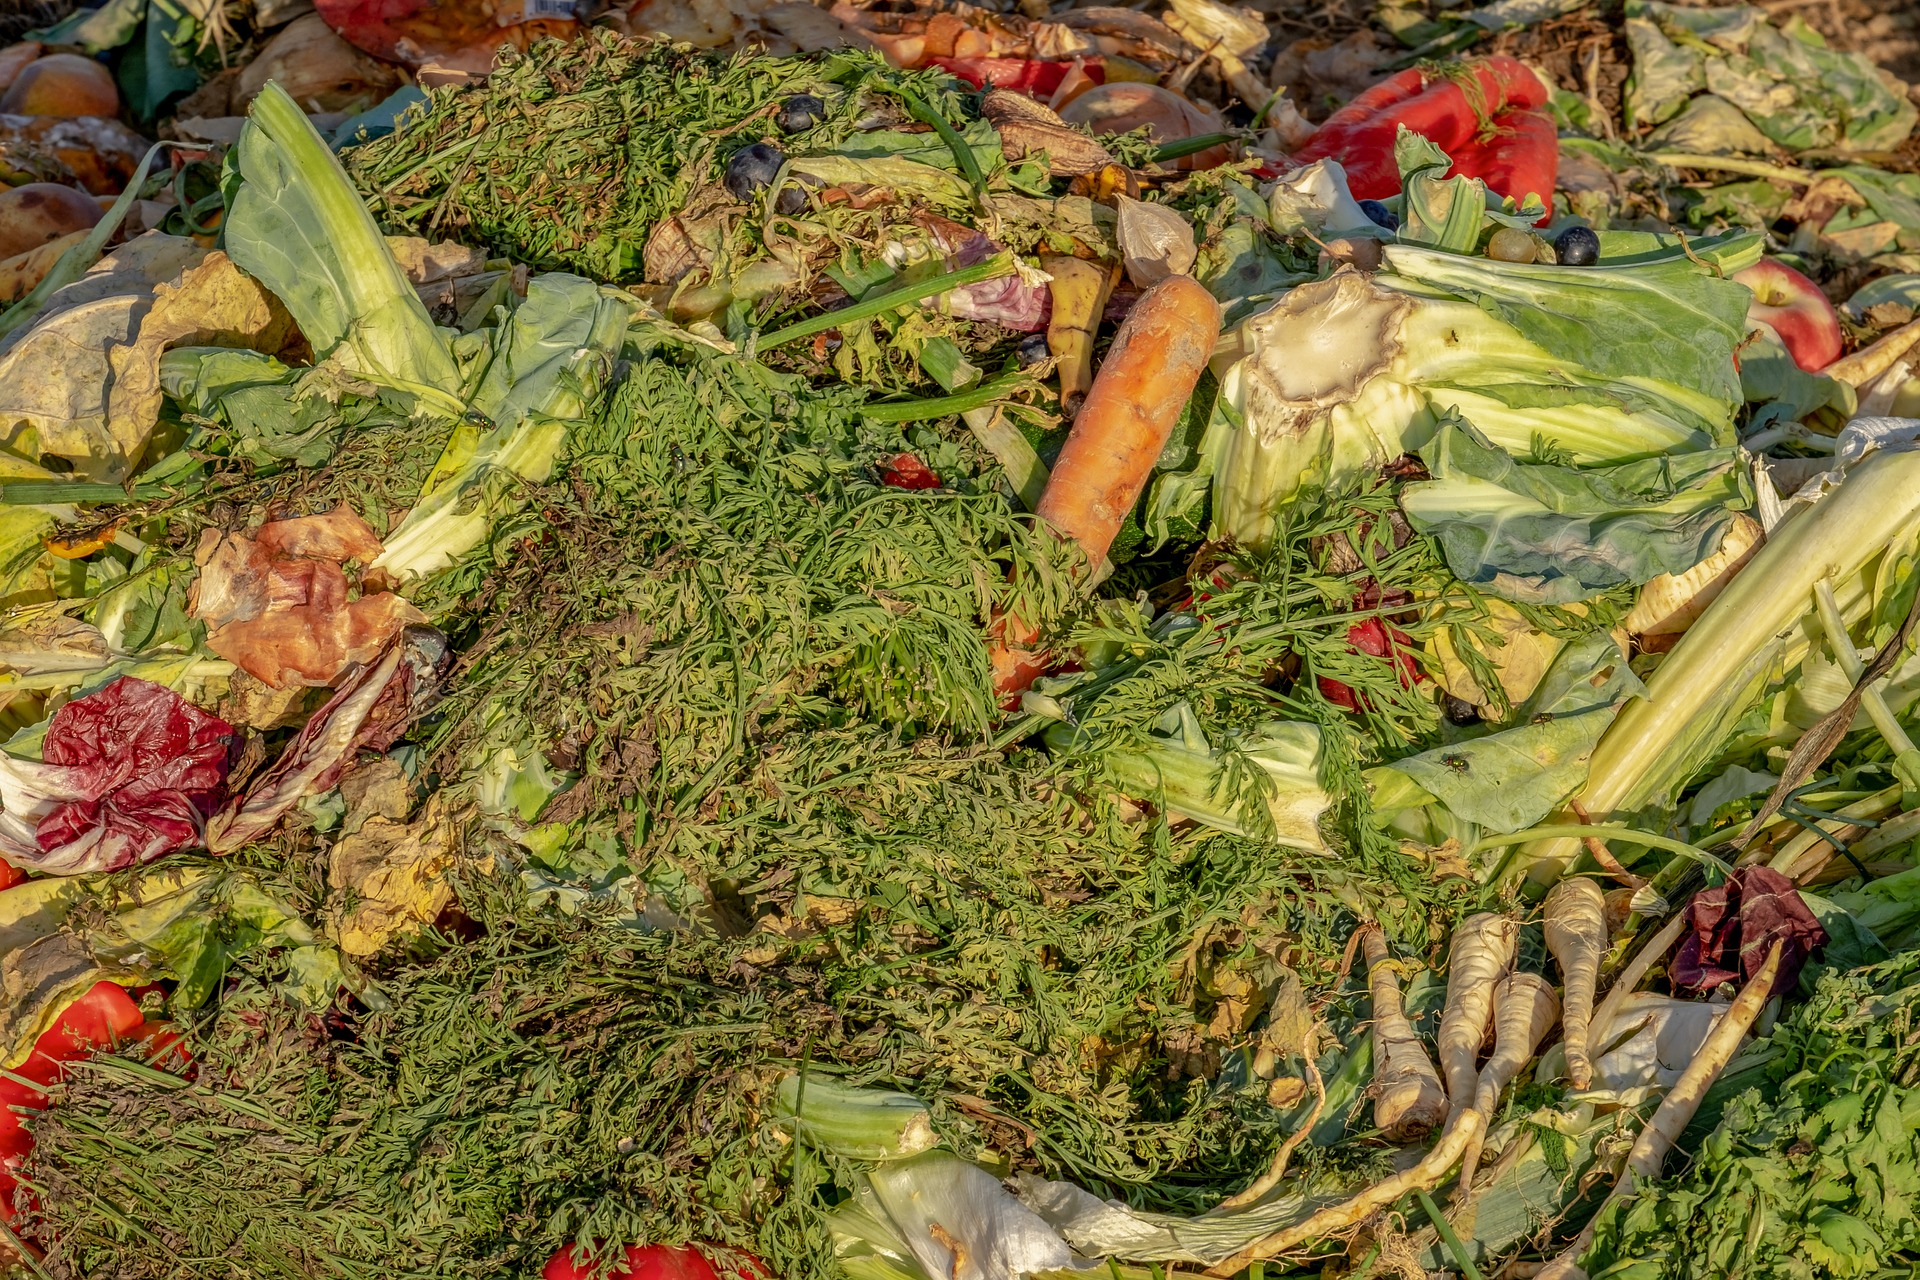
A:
[(298, 226), (855, 1123)]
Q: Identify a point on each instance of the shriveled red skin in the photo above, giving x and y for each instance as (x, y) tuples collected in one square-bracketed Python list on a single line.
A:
[(276, 604)]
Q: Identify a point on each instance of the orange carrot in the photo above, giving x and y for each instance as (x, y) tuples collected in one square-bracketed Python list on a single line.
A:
[(1157, 356)]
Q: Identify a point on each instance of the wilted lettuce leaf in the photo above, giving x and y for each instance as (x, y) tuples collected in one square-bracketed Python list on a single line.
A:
[(1804, 95), (1785, 80), (1664, 74), (1543, 533), (1513, 778), (297, 225), (1712, 126)]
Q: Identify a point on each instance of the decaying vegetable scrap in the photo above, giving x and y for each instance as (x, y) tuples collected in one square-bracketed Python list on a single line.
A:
[(947, 641)]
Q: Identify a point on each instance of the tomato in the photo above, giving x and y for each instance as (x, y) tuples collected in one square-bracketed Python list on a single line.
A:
[(10, 875), (101, 1019), (649, 1262)]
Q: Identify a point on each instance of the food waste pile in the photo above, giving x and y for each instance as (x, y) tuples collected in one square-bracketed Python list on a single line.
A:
[(918, 641)]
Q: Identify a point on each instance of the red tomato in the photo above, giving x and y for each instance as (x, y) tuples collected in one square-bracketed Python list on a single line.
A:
[(100, 1019), (648, 1262), (10, 875)]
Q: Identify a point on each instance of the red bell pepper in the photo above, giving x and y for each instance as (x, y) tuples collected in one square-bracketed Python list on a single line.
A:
[(1519, 158), (1034, 77), (104, 1018), (1484, 100)]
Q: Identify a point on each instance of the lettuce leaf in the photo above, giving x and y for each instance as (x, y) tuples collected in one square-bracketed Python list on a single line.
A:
[(297, 225), (1544, 533)]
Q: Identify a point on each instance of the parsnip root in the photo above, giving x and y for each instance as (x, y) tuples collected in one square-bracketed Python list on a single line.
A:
[(1676, 1110), (1576, 928), (1408, 1099), (1481, 954), (1525, 1008), (1463, 1132)]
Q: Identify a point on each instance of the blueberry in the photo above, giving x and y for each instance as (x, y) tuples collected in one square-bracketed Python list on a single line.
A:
[(1380, 214), (790, 201), (752, 168), (1577, 247), (800, 112), (1033, 349)]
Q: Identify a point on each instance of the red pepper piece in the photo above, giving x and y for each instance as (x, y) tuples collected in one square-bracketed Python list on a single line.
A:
[(1378, 640), (1521, 157), (1449, 111), (103, 1018), (650, 1262), (1032, 76), (906, 471)]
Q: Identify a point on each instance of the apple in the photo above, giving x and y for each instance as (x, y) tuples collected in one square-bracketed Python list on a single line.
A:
[(1793, 307)]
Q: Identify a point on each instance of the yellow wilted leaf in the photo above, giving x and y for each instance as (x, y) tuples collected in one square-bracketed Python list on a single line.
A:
[(393, 877), (1519, 657)]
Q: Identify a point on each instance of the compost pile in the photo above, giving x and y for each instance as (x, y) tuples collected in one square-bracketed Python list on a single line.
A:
[(925, 642)]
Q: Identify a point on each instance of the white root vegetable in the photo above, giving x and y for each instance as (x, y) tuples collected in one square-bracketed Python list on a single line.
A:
[(1576, 928), (1525, 1007), (1650, 1148), (1464, 1131), (1632, 976), (1481, 954), (1408, 1099)]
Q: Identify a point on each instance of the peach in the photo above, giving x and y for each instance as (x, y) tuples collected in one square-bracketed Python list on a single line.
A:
[(62, 84), (32, 215), (16, 58), (1793, 307)]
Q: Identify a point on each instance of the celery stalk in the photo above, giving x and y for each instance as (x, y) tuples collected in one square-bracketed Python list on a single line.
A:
[(1744, 640)]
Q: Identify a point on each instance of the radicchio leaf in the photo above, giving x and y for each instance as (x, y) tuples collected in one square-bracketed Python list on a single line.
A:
[(130, 773), (372, 708), (1734, 926)]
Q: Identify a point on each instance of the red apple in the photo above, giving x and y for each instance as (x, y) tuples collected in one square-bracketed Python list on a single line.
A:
[(1793, 307)]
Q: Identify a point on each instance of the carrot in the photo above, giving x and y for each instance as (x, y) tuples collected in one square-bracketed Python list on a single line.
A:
[(1576, 927), (1408, 1100), (1158, 354), (1676, 1110), (1466, 1130), (1481, 955)]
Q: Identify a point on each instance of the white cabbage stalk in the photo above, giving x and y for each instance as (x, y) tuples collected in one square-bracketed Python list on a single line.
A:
[(1190, 778), (1345, 374)]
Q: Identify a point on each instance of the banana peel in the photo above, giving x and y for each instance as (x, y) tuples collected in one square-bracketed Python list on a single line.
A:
[(1080, 290)]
